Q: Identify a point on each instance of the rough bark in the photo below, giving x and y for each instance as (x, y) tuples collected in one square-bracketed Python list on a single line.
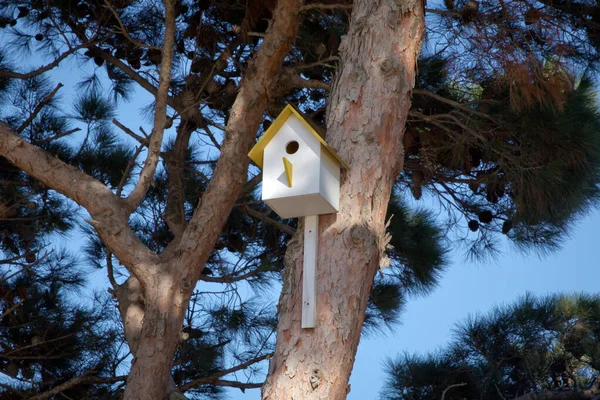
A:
[(165, 303), (366, 117)]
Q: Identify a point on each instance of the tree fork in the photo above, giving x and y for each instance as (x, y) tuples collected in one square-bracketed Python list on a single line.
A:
[(169, 291), (367, 113)]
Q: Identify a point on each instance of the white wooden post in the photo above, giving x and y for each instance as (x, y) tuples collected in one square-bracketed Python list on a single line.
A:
[(309, 279)]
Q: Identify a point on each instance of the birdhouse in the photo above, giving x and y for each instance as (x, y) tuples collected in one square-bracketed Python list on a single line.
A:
[(301, 178), (301, 173)]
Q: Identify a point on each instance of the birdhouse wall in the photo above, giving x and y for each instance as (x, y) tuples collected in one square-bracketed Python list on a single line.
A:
[(329, 182)]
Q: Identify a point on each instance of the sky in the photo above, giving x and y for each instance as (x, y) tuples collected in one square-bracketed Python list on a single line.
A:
[(466, 288)]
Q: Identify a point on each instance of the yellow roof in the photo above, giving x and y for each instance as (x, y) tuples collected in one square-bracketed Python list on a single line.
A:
[(256, 154)]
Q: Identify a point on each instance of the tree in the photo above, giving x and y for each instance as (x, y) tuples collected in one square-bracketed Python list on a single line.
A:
[(492, 121), (537, 348)]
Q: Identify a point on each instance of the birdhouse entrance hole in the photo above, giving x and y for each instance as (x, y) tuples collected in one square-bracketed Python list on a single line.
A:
[(292, 147)]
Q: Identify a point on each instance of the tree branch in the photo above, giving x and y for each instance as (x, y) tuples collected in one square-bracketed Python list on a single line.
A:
[(40, 70), (38, 108), (124, 31), (175, 158), (143, 141), (12, 308), (108, 217), (265, 218), (451, 387), (246, 115), (78, 380), (160, 112)]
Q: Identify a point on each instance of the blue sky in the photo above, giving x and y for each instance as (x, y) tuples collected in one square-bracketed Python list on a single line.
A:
[(466, 287)]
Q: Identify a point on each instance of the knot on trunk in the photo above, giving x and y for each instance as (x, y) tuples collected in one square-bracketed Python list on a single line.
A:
[(315, 378)]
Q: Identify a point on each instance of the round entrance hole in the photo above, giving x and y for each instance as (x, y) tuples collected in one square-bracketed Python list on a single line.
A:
[(292, 147)]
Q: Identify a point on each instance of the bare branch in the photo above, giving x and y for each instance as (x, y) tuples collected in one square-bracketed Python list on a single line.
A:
[(451, 387), (453, 103), (128, 169), (38, 108), (296, 82), (131, 133), (321, 63), (110, 270), (236, 384), (212, 379), (175, 158), (265, 218), (60, 135), (442, 12)]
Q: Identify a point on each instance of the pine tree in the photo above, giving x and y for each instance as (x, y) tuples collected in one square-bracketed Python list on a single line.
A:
[(537, 348), (46, 337), (490, 134)]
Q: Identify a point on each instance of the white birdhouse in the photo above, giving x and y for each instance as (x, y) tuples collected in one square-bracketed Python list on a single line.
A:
[(301, 173), (301, 178)]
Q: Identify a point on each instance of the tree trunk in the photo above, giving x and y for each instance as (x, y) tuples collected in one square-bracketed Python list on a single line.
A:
[(165, 303), (366, 118)]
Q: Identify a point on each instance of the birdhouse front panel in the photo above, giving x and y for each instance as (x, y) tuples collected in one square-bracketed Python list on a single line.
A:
[(291, 152), (297, 174)]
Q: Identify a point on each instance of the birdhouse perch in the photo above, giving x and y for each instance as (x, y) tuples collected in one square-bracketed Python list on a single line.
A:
[(301, 178)]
